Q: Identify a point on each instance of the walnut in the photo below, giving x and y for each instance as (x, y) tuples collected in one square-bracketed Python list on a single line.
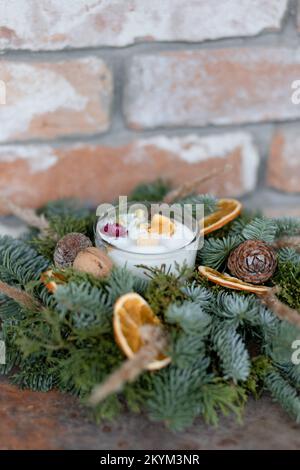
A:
[(93, 261)]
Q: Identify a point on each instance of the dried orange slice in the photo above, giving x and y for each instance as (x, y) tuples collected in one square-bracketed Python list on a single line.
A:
[(230, 282), (162, 225), (228, 210), (51, 280), (131, 312)]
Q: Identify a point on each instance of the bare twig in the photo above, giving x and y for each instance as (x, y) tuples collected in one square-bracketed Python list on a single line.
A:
[(191, 186), (291, 242), (283, 311), (29, 216), (155, 343), (18, 295)]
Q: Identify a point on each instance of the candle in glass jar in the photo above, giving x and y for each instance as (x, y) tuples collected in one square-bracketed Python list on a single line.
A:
[(134, 239)]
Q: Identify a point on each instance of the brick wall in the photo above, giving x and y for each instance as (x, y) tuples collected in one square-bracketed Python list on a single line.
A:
[(104, 94)]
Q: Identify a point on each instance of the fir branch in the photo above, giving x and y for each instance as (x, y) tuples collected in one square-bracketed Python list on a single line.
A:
[(292, 372), (155, 343), (122, 281), (175, 395), (198, 294), (190, 317), (208, 202), (86, 305), (232, 353), (234, 308), (260, 228), (21, 264), (287, 226), (62, 208), (280, 345), (36, 375), (287, 254), (152, 192), (219, 396), (267, 322), (215, 251), (284, 393), (283, 311), (185, 347), (238, 225)]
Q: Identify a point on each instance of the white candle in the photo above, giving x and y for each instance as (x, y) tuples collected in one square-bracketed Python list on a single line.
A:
[(134, 239)]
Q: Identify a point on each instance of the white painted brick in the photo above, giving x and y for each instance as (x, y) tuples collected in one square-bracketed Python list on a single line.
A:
[(55, 24), (51, 99)]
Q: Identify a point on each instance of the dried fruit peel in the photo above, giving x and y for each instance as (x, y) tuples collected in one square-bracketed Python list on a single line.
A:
[(231, 282), (228, 210), (131, 312)]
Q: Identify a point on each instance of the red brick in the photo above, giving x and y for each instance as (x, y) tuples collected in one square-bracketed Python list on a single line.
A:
[(50, 99), (284, 160), (31, 175), (214, 86), (84, 23)]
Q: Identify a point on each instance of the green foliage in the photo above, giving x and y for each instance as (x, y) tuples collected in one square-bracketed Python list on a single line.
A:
[(287, 226), (224, 345), (60, 226), (260, 366), (84, 305), (64, 208), (292, 373), (153, 192), (238, 225), (235, 309), (209, 203), (286, 255), (19, 263), (232, 352), (284, 393), (185, 347), (164, 289), (175, 395), (260, 228), (288, 279), (215, 251), (122, 281), (221, 397), (281, 344), (198, 294), (36, 375), (189, 316)]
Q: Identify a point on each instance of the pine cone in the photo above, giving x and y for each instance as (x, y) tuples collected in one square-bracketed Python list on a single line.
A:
[(253, 261), (68, 247)]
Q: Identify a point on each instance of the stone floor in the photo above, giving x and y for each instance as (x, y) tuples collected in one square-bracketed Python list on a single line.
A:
[(31, 420)]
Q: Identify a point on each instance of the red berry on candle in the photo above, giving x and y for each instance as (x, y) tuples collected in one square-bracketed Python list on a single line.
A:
[(114, 230)]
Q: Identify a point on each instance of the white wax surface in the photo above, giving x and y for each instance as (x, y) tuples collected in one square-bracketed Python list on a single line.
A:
[(171, 250), (183, 236)]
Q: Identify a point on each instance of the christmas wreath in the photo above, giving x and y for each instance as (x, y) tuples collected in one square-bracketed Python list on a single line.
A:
[(200, 342)]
